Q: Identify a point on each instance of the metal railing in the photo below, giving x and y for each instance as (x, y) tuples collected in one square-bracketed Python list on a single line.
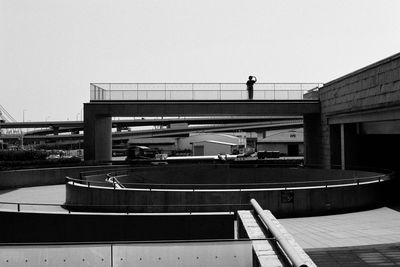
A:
[(199, 91), (288, 249), (123, 209), (356, 179)]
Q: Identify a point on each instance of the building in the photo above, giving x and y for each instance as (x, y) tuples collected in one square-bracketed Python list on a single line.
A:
[(211, 148), (288, 142)]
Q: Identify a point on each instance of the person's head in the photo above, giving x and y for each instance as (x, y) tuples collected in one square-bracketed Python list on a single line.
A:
[(250, 77)]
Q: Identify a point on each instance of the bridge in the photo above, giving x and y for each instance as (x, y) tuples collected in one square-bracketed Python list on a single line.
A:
[(195, 100)]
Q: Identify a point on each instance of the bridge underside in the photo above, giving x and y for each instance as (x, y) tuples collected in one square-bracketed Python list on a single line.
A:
[(98, 114)]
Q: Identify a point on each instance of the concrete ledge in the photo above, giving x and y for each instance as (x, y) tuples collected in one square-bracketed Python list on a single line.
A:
[(44, 176)]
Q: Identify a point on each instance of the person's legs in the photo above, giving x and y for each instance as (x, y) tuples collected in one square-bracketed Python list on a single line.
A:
[(250, 93)]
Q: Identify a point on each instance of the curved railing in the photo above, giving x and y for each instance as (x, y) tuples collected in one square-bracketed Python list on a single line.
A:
[(111, 181)]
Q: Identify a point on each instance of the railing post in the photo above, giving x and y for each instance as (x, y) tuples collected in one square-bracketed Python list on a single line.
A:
[(301, 91), (18, 207)]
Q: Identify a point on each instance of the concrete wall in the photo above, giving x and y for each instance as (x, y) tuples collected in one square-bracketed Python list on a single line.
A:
[(22, 227), (45, 176)]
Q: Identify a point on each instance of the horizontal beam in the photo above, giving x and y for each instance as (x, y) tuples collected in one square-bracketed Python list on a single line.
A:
[(203, 108), (382, 114)]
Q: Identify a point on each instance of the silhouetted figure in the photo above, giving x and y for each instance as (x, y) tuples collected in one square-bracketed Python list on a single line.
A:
[(252, 80)]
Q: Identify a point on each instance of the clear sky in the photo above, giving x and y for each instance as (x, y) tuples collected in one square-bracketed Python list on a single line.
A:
[(51, 50)]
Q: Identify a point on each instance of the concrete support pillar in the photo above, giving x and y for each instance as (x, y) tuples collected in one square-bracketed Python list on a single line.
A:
[(350, 146), (312, 140), (342, 148), (97, 136), (55, 130)]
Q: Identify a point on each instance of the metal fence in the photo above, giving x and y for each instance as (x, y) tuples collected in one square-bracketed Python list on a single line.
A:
[(200, 91)]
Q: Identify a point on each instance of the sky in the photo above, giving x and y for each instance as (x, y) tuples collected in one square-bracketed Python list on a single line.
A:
[(51, 50)]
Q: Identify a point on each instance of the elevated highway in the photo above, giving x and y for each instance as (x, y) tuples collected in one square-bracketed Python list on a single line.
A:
[(145, 122), (169, 132)]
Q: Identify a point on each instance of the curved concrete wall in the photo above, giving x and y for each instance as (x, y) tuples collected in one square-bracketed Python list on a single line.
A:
[(45, 176), (281, 202)]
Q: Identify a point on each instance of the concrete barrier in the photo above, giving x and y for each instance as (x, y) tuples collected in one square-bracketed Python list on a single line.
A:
[(285, 200), (43, 176), (23, 227)]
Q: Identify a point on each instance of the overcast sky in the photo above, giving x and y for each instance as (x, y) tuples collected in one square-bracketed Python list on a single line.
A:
[(51, 50)]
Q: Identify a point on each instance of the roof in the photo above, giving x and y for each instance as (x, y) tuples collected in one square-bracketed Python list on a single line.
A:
[(216, 142), (290, 136)]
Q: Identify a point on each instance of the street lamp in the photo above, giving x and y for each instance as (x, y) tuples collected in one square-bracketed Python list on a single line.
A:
[(23, 115), (22, 132)]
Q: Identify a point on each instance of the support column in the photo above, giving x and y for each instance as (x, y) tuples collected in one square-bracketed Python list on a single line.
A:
[(97, 136), (342, 148), (312, 139), (56, 130)]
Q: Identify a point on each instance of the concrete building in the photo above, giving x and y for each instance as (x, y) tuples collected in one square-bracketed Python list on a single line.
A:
[(358, 124), (170, 145), (186, 142)]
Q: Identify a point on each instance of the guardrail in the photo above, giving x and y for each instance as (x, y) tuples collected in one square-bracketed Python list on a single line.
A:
[(200, 91)]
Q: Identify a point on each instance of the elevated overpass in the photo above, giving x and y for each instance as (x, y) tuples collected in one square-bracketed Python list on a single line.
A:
[(57, 127), (189, 100), (169, 132)]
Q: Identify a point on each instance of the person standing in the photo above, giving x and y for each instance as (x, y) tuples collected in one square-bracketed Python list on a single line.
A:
[(252, 80)]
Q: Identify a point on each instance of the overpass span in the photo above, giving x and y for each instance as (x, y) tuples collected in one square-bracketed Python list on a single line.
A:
[(98, 114), (109, 100)]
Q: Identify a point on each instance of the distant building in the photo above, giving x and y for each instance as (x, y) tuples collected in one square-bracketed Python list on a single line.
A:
[(211, 147), (288, 143), (186, 142)]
